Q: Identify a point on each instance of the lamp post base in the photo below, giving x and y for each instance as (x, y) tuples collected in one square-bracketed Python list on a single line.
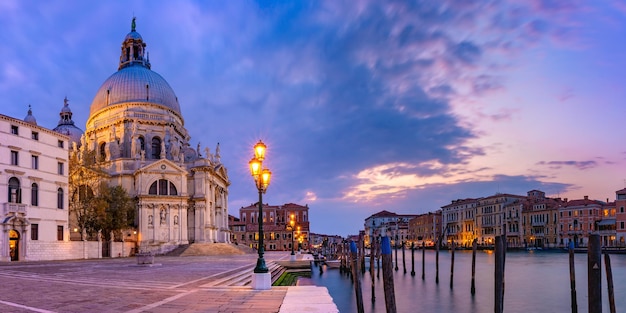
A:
[(261, 281), (292, 257)]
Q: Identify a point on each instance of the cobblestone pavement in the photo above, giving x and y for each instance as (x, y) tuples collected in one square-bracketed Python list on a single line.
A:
[(173, 284)]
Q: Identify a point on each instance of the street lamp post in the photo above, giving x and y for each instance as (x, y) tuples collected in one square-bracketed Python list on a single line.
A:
[(292, 224), (299, 239), (261, 278)]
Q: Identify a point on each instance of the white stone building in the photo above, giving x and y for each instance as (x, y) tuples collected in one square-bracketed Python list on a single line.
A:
[(33, 180), (137, 130)]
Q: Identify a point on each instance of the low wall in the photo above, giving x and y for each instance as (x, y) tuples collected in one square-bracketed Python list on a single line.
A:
[(72, 250)]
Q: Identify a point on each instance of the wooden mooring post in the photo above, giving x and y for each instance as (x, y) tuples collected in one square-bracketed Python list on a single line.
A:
[(373, 252), (395, 246), (609, 282), (572, 278), (362, 253), (378, 256), (412, 259), (423, 260), (390, 297), (403, 261), (437, 262), (594, 273), (473, 288), (356, 277), (451, 265), (499, 276)]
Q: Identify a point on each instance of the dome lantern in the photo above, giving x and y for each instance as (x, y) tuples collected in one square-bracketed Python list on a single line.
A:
[(133, 49)]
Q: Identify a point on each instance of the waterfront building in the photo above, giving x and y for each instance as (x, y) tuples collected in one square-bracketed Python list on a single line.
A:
[(606, 226), (490, 221), (276, 218), (459, 221), (620, 217), (324, 241), (578, 219), (385, 223), (136, 132), (34, 184), (539, 220), (425, 228)]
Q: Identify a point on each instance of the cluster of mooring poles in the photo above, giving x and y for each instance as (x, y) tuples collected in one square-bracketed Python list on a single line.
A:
[(352, 256), (594, 276)]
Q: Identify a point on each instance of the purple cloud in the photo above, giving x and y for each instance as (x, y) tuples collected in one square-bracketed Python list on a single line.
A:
[(581, 165)]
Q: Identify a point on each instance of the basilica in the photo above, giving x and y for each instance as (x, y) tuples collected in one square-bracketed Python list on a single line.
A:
[(134, 137), (136, 131)]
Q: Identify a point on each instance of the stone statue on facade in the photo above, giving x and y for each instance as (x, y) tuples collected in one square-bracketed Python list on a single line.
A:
[(207, 153), (174, 149), (218, 157)]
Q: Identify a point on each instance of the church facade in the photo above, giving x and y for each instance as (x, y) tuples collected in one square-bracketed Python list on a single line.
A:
[(136, 132)]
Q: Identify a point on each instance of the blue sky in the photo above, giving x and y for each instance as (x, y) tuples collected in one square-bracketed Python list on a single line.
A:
[(364, 105)]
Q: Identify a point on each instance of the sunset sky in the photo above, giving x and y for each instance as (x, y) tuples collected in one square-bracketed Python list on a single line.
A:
[(364, 105)]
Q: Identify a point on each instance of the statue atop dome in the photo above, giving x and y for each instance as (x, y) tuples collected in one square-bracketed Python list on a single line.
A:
[(133, 25)]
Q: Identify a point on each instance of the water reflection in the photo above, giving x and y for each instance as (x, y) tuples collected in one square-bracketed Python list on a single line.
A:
[(534, 282)]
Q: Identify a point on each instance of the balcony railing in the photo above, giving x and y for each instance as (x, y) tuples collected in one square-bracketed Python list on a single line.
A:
[(15, 208)]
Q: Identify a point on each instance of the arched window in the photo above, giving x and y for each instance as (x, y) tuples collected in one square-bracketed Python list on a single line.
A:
[(15, 193), (156, 148), (173, 191), (60, 198), (34, 194), (160, 187), (102, 152), (142, 143)]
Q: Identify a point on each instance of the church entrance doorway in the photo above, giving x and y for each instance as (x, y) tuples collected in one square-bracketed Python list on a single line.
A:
[(14, 245)]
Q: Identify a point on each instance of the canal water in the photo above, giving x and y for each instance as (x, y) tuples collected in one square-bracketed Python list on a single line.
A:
[(535, 281)]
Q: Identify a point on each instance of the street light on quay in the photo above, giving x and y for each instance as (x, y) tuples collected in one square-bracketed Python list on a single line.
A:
[(291, 227), (261, 279)]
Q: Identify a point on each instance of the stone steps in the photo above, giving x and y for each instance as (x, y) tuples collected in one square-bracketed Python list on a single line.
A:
[(243, 277)]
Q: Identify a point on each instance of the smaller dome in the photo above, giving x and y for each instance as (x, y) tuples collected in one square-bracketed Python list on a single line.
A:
[(70, 130), (133, 35), (66, 124), (30, 119)]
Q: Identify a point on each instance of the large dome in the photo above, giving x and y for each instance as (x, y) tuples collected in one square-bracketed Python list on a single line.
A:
[(135, 83)]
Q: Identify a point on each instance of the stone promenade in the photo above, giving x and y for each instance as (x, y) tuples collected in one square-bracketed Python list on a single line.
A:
[(172, 284)]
